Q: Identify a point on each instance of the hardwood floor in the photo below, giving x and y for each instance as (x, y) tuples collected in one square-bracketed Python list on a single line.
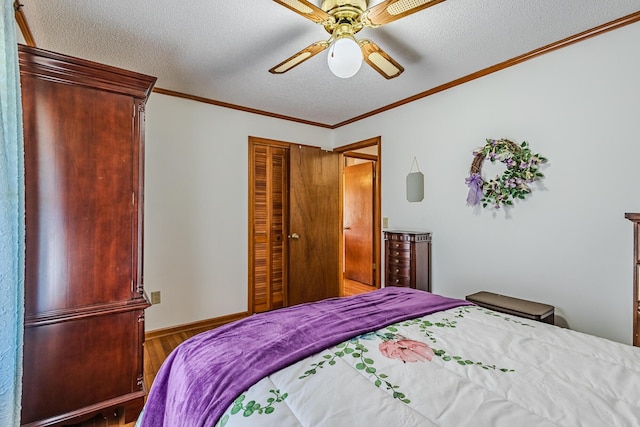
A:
[(351, 287)]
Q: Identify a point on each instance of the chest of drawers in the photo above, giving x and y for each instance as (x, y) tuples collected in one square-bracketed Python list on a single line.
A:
[(408, 259)]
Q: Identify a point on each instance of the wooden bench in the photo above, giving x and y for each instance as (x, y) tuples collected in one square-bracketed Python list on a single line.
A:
[(515, 306)]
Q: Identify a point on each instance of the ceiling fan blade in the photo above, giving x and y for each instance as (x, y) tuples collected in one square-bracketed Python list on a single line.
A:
[(379, 60), (306, 9), (391, 10), (300, 57)]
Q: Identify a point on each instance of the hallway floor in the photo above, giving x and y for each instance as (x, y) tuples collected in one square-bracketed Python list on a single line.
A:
[(352, 287)]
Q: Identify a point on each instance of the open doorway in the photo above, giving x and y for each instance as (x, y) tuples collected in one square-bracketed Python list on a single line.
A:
[(361, 216)]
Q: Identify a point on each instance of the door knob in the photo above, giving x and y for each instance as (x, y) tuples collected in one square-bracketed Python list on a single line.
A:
[(294, 236), (347, 228)]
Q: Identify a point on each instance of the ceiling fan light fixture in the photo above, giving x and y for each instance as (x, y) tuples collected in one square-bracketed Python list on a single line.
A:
[(345, 57)]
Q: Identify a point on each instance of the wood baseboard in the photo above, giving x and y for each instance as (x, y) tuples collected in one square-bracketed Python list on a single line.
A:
[(203, 325)]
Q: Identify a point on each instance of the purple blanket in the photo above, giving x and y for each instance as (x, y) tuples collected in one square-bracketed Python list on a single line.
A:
[(204, 375)]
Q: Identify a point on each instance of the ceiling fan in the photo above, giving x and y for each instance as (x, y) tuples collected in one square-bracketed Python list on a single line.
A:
[(343, 19)]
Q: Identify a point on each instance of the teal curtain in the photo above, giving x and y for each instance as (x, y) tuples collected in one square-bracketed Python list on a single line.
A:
[(11, 222)]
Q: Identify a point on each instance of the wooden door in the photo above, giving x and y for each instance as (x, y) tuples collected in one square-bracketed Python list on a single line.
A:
[(358, 222), (268, 220), (314, 224)]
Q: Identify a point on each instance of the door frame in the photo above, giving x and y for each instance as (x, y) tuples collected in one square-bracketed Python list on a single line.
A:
[(347, 151)]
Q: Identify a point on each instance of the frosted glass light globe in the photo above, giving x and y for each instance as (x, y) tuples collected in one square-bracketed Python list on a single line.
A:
[(345, 57)]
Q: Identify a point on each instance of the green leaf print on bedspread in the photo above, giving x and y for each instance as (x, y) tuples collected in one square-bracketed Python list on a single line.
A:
[(392, 345), (253, 407)]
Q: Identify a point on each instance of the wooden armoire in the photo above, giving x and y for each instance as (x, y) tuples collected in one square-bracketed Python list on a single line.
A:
[(84, 298)]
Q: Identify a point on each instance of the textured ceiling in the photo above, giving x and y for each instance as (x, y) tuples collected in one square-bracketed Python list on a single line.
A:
[(222, 49)]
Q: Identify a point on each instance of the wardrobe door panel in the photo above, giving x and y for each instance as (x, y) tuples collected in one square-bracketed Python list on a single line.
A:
[(79, 196)]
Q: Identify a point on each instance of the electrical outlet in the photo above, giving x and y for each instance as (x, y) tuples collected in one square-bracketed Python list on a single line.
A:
[(385, 222), (155, 297)]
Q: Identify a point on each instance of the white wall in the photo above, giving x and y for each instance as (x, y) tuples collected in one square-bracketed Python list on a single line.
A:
[(196, 212), (568, 244)]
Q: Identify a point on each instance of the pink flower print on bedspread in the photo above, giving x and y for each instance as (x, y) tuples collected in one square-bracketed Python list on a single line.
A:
[(406, 350)]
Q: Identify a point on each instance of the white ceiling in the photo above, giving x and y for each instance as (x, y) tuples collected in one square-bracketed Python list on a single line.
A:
[(222, 49)]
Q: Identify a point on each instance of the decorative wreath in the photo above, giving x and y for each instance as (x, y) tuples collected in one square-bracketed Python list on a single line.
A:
[(522, 169)]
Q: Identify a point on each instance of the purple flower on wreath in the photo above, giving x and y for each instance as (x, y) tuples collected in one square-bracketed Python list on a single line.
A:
[(474, 182)]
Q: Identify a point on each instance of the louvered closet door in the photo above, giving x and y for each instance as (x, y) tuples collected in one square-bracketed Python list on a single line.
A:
[(269, 189)]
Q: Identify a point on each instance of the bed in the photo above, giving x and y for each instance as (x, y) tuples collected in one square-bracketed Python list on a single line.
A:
[(395, 357)]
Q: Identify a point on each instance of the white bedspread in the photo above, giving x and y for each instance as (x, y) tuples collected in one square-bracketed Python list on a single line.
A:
[(466, 366)]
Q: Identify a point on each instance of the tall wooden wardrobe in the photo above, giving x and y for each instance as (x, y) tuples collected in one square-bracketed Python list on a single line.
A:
[(84, 298)]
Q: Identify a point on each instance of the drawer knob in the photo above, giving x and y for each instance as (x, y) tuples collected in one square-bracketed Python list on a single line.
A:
[(397, 280), (397, 270)]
